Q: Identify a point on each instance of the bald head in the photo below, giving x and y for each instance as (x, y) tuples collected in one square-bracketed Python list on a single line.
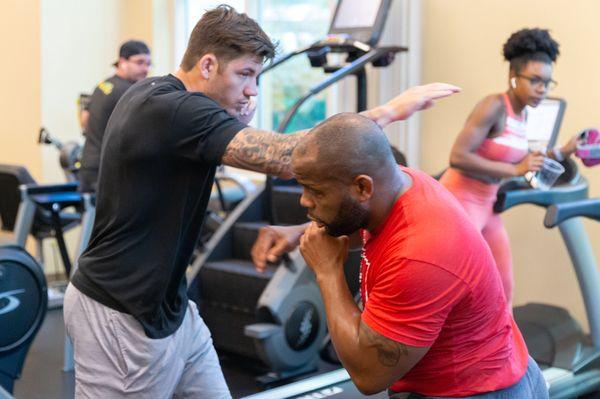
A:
[(347, 145)]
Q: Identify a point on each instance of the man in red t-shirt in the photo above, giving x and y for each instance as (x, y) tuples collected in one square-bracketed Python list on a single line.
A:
[(434, 321)]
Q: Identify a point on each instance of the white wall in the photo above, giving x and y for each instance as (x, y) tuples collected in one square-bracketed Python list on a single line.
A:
[(77, 50), (20, 82), (79, 43)]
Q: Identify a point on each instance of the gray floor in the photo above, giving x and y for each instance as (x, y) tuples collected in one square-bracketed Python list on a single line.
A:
[(43, 377)]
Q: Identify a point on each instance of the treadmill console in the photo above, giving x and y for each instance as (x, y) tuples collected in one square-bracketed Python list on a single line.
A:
[(544, 121), (359, 20), (543, 126)]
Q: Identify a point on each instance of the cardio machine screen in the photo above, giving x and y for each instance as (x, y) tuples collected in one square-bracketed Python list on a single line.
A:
[(356, 14), (543, 121)]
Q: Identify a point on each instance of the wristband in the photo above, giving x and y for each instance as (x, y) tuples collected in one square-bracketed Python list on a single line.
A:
[(557, 154)]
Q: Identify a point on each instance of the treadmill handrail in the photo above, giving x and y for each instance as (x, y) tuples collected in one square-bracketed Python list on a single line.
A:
[(285, 58), (331, 45), (558, 194), (558, 213), (193, 269), (353, 67), (34, 189), (4, 394), (298, 388)]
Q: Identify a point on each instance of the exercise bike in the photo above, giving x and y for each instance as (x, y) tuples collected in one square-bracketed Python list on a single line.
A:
[(42, 211), (69, 153), (23, 286)]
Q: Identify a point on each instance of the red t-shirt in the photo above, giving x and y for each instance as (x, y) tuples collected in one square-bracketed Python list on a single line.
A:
[(432, 281)]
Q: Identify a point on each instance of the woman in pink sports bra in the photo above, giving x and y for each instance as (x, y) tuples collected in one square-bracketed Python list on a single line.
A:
[(492, 145)]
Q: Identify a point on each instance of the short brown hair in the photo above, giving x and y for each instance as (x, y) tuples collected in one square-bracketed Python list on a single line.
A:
[(228, 35)]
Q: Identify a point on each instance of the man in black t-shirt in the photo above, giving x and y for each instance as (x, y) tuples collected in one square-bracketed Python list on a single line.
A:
[(133, 328), (133, 65)]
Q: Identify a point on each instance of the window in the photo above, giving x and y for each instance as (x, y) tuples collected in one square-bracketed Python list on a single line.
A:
[(187, 14), (195, 9), (285, 22)]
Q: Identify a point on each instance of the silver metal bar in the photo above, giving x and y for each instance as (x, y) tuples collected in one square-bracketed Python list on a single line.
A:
[(25, 217), (304, 386), (218, 235), (582, 255), (87, 224)]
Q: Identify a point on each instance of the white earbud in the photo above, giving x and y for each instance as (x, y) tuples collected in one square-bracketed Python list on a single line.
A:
[(513, 82)]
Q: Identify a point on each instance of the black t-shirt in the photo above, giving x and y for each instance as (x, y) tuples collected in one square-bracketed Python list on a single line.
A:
[(102, 103), (159, 158)]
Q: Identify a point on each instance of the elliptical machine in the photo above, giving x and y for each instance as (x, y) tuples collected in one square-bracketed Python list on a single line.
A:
[(23, 305), (580, 371), (23, 287), (69, 153), (570, 360), (27, 208)]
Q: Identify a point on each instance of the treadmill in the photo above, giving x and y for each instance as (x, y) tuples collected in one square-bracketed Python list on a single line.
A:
[(583, 377), (569, 359)]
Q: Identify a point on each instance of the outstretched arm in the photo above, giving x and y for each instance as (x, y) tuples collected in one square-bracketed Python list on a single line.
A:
[(269, 152), (404, 105), (262, 151)]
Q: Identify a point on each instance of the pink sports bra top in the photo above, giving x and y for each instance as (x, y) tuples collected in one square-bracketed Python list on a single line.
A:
[(511, 145)]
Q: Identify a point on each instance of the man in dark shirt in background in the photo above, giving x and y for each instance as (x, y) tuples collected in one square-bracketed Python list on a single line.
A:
[(133, 65)]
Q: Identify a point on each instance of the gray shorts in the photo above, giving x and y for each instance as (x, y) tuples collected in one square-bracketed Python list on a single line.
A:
[(115, 359)]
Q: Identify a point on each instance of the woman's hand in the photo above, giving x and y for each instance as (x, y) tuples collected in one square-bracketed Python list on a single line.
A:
[(569, 147), (531, 163)]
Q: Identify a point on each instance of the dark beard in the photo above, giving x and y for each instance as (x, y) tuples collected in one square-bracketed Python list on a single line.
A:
[(351, 217)]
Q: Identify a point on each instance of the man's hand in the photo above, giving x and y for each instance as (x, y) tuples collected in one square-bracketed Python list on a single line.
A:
[(410, 101), (247, 112), (323, 253), (272, 242)]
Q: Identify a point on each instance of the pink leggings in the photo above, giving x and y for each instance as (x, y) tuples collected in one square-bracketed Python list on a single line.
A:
[(478, 198)]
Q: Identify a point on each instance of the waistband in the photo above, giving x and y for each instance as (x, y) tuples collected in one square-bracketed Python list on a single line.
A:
[(454, 179)]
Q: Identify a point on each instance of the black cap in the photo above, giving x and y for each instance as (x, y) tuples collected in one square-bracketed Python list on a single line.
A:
[(131, 48)]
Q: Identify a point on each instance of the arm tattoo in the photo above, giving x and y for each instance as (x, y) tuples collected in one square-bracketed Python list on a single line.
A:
[(389, 352), (262, 151)]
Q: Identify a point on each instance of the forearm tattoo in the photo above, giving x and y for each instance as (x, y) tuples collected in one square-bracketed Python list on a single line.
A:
[(262, 151), (389, 352)]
